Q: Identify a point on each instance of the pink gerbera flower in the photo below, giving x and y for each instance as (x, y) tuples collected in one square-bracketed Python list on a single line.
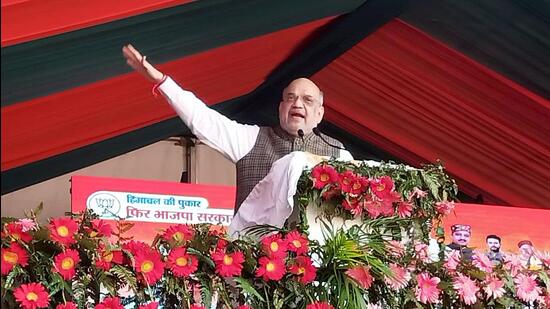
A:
[(361, 275), (482, 262), (527, 288), (421, 252), (417, 193), (493, 287), (372, 206), (353, 206), (395, 248), (399, 277), (513, 264), (319, 305), (444, 207), (153, 305), (404, 209), (452, 260), (427, 290), (466, 289), (27, 224)]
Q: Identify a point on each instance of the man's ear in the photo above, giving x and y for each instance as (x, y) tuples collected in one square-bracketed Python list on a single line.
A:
[(321, 112)]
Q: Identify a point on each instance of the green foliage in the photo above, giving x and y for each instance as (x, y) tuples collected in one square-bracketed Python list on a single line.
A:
[(368, 245)]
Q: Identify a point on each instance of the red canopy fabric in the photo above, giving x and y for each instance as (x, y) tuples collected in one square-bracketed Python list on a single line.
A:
[(430, 102), (118, 105), (26, 20)]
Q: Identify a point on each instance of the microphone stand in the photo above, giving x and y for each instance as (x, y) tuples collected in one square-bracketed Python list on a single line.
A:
[(318, 133)]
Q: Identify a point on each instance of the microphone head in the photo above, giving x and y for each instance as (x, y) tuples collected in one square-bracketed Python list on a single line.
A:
[(300, 133), (316, 131)]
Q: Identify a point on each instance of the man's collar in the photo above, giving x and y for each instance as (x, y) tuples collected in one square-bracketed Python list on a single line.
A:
[(289, 137)]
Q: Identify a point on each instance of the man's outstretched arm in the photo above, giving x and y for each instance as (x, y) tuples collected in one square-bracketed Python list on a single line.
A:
[(232, 139)]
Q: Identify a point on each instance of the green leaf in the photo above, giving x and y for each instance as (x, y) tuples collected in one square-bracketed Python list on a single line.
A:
[(247, 287)]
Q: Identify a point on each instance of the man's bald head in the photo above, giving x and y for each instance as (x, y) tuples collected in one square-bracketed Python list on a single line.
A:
[(301, 106)]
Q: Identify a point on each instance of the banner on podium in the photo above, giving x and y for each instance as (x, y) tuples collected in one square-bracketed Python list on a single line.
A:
[(152, 205)]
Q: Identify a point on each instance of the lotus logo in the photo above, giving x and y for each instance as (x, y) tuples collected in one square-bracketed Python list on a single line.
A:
[(104, 204)]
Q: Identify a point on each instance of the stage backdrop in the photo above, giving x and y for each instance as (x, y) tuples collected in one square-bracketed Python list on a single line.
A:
[(152, 205), (512, 224), (155, 205)]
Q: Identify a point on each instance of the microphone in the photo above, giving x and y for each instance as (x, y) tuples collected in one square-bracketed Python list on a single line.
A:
[(318, 133), (301, 135)]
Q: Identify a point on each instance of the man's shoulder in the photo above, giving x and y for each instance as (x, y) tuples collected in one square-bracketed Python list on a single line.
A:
[(332, 140)]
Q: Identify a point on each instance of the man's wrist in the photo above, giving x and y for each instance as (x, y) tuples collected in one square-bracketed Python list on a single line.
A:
[(158, 83)]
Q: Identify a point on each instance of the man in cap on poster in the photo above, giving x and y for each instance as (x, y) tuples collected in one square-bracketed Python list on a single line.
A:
[(461, 234), (527, 255)]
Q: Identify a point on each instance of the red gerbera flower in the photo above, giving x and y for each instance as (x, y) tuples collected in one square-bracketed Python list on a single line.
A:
[(404, 209), (32, 295), (110, 303), (63, 229), (359, 184), (100, 228), (381, 187), (297, 242), (15, 231), (178, 234), (13, 255), (271, 268), (107, 257), (347, 179), (221, 244), (304, 268), (135, 247), (65, 263), (319, 305), (353, 206), (181, 263), (323, 175), (274, 246), (149, 265), (244, 307), (67, 305), (153, 305), (195, 306), (228, 264), (331, 193), (361, 275)]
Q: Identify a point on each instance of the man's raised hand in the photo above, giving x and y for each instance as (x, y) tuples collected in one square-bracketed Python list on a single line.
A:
[(139, 63)]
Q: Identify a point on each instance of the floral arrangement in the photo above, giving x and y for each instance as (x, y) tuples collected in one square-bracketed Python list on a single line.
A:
[(79, 261)]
